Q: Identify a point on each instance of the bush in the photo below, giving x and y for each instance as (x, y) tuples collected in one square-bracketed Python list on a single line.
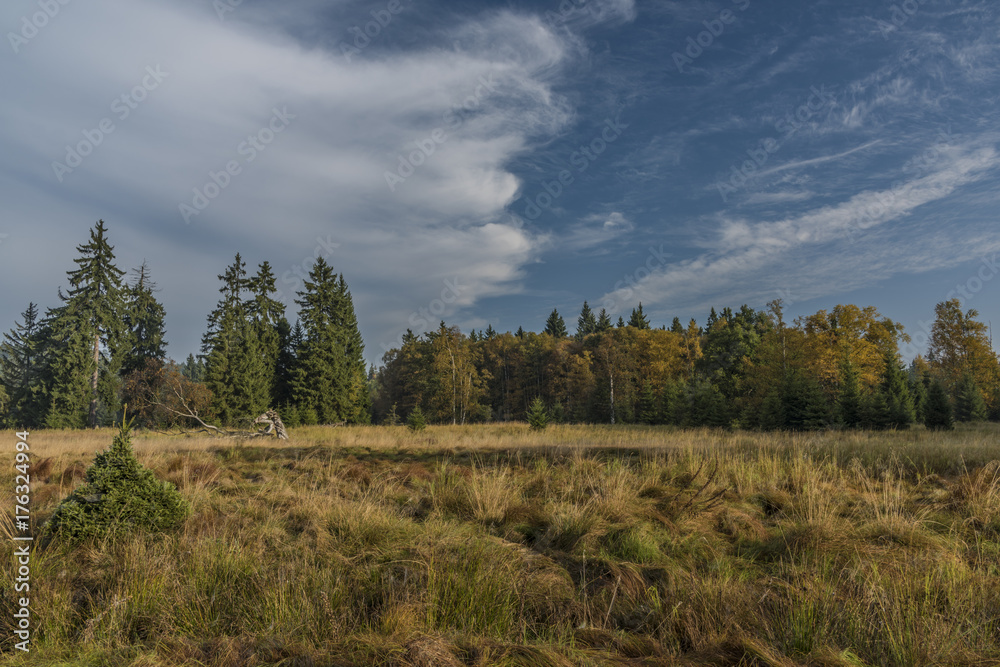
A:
[(416, 420), (538, 418), (118, 493)]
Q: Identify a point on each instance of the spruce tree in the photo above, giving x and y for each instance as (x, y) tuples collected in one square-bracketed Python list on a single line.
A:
[(969, 403), (538, 417), (330, 374), (120, 495), (849, 400), (603, 322), (896, 387), (555, 326), (359, 392), (804, 404), (671, 407), (285, 366), (707, 406), (91, 315), (230, 348), (638, 318), (586, 323), (772, 412), (676, 326), (918, 389), (193, 369), (143, 323), (938, 412), (21, 366), (267, 318), (416, 420), (875, 411), (649, 405)]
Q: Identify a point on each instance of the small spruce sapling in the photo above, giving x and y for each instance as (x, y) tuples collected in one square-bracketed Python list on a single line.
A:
[(118, 494), (416, 420), (538, 417)]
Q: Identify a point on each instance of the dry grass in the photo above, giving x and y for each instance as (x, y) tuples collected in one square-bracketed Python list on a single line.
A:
[(496, 545)]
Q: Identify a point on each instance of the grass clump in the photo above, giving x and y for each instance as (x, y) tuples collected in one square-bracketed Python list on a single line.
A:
[(118, 493)]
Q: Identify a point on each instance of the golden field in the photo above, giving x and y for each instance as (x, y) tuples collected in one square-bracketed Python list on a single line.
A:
[(496, 545)]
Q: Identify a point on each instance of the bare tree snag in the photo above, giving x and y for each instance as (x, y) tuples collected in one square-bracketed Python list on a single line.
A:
[(274, 425)]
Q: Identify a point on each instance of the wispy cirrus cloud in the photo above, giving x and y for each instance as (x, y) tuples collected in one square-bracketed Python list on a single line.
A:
[(748, 258)]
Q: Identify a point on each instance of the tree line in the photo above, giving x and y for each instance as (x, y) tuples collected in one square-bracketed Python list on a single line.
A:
[(103, 347), (742, 369)]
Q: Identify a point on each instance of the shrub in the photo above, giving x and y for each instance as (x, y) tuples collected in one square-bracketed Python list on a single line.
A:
[(118, 493)]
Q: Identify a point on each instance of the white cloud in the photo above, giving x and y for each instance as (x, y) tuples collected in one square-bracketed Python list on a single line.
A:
[(485, 84), (748, 258), (595, 232)]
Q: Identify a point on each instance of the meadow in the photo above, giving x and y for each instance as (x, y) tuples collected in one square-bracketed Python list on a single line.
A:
[(497, 545)]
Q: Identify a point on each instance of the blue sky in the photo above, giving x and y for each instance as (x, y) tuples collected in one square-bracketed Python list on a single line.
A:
[(485, 162)]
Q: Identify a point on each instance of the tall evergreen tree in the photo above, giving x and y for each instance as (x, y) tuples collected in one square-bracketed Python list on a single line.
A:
[(143, 323), (804, 405), (91, 316), (586, 323), (359, 393), (706, 406), (555, 326), (193, 369), (849, 400), (638, 318), (330, 373), (969, 403), (21, 366), (899, 400), (649, 405), (918, 389), (233, 359), (938, 413), (284, 370), (772, 412), (603, 321), (267, 318), (875, 412)]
